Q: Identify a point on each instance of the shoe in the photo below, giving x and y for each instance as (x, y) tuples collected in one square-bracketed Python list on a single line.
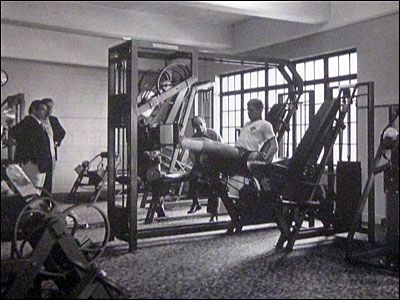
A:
[(212, 218), (194, 208)]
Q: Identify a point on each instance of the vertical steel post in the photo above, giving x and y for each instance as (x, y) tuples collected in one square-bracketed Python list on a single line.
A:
[(132, 91), (371, 147)]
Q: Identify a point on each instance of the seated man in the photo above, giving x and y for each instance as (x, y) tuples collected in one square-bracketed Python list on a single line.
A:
[(256, 141), (201, 131)]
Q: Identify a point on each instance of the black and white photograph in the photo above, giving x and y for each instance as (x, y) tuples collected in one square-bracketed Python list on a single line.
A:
[(200, 149)]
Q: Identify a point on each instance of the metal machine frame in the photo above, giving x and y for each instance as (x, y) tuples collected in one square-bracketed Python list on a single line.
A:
[(124, 112), (15, 108), (389, 250), (292, 178)]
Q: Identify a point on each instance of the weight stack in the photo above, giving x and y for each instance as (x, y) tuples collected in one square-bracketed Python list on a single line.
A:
[(348, 193)]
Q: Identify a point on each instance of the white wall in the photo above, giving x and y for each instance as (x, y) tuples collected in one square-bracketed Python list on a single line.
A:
[(80, 98), (96, 20), (255, 33), (377, 43)]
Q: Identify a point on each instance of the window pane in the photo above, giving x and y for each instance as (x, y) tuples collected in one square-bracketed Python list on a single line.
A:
[(335, 91), (353, 152), (300, 70), (246, 117), (271, 76), (246, 98), (319, 69), (317, 107), (261, 78), (279, 92), (238, 100), (237, 82), (310, 70), (254, 95), (279, 78), (231, 86), (271, 98), (319, 93), (225, 135), (238, 119), (225, 103), (224, 84), (345, 152), (232, 118), (225, 119), (253, 82), (231, 135), (353, 112), (231, 102), (344, 83), (335, 153), (353, 63), (333, 66), (344, 65), (261, 96), (246, 80)]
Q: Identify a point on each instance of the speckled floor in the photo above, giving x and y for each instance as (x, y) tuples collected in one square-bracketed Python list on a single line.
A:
[(241, 266), (215, 265)]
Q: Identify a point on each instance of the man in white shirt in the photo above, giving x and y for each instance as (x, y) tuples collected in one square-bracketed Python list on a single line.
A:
[(256, 141), (257, 135)]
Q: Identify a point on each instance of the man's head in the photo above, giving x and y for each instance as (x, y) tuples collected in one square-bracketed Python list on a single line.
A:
[(38, 109), (50, 104), (255, 109), (199, 124)]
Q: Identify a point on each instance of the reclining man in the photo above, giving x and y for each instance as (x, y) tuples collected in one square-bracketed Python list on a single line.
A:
[(257, 141), (201, 131)]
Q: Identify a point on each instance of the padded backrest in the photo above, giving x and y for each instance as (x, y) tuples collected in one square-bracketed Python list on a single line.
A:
[(316, 135), (275, 115)]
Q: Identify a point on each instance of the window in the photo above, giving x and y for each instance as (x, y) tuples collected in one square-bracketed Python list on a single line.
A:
[(319, 74), (236, 90)]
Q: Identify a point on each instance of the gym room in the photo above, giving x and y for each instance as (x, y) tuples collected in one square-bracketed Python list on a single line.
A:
[(200, 149)]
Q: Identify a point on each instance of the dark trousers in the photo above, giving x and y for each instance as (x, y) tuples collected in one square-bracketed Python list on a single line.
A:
[(48, 182)]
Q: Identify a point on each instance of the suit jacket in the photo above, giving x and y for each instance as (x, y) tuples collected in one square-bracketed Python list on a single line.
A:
[(58, 130), (33, 144)]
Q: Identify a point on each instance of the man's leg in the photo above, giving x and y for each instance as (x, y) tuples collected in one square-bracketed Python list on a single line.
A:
[(32, 171), (194, 192), (48, 182)]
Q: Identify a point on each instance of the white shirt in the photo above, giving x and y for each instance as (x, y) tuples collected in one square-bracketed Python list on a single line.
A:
[(254, 134), (47, 126)]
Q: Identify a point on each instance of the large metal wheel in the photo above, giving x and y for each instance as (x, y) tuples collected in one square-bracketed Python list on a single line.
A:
[(30, 225), (90, 227)]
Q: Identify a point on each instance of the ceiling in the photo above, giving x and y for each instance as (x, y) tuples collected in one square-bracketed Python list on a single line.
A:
[(56, 30), (175, 9)]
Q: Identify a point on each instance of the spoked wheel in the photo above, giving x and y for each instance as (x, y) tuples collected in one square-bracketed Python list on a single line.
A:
[(30, 225), (90, 228), (171, 75)]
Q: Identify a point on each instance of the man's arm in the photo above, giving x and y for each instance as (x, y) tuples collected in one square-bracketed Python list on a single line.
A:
[(58, 130), (269, 148)]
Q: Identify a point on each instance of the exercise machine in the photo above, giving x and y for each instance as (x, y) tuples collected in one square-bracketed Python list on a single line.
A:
[(298, 187), (91, 173), (382, 255), (139, 113), (47, 257)]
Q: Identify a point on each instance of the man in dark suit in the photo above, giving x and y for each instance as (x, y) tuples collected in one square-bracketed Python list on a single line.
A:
[(56, 134), (33, 144), (201, 131)]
